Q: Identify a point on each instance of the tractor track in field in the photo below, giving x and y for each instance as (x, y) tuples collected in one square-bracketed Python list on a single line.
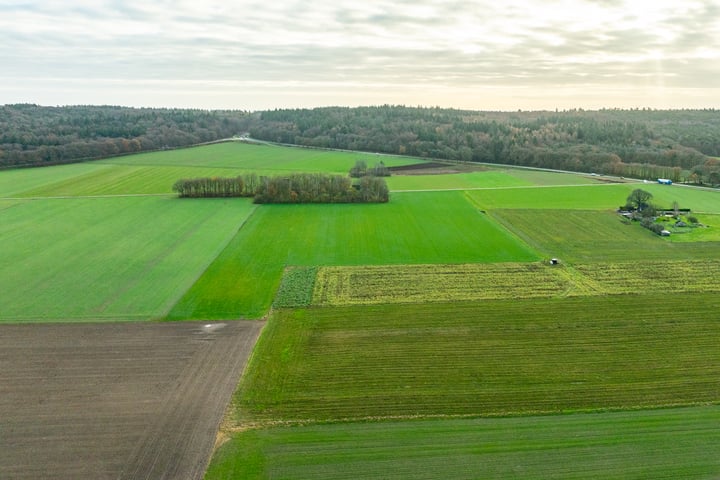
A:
[(116, 401)]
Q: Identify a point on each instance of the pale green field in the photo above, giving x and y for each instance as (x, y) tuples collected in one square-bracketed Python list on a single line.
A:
[(107, 259), (16, 182), (250, 157)]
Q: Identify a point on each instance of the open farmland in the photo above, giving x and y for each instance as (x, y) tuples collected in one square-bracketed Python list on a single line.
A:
[(437, 283), (439, 304), (658, 444), (488, 179), (486, 358), (259, 158), (108, 259), (155, 173), (439, 227), (116, 401), (595, 236)]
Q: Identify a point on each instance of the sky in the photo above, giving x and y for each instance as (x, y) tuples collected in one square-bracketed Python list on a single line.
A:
[(256, 55)]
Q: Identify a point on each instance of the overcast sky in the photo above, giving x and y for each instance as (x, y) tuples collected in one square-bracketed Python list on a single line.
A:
[(253, 55)]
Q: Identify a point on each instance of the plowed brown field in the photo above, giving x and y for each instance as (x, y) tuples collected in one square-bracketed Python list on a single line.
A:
[(119, 401)]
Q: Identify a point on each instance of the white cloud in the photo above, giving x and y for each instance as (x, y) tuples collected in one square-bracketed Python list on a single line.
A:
[(430, 52)]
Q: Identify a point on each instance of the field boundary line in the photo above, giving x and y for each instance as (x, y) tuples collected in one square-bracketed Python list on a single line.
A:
[(515, 187), (172, 304), (74, 197), (264, 424)]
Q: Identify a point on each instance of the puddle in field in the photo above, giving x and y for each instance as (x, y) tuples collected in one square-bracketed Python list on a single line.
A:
[(211, 327)]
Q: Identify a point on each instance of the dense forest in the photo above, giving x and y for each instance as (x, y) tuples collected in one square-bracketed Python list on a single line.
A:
[(676, 144), (31, 135)]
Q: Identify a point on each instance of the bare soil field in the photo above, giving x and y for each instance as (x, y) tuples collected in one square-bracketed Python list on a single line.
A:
[(116, 401)]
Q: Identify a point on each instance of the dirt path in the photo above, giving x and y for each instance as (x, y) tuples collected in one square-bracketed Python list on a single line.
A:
[(116, 401)]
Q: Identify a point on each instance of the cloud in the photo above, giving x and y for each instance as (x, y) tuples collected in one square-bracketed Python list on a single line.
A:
[(401, 46)]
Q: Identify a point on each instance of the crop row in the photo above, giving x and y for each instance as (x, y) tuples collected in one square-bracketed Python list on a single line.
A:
[(494, 357), (296, 287), (419, 283), (470, 282), (656, 277)]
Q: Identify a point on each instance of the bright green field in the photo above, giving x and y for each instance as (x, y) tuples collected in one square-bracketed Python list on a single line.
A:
[(595, 197), (710, 232), (487, 179), (440, 227), (657, 444), (487, 358), (107, 258), (483, 179), (574, 197)]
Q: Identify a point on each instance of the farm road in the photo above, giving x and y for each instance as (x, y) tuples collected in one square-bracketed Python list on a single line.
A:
[(116, 401)]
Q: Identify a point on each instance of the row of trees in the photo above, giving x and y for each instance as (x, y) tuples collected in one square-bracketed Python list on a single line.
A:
[(240, 186), (360, 169), (296, 188)]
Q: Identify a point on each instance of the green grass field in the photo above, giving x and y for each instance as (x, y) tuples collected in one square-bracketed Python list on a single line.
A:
[(495, 177), (437, 304), (596, 236), (436, 227), (260, 158), (657, 444), (15, 183), (107, 258), (502, 357)]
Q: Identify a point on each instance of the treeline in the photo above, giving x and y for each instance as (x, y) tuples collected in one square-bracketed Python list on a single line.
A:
[(636, 143), (205, 187), (295, 188), (32, 135), (676, 144)]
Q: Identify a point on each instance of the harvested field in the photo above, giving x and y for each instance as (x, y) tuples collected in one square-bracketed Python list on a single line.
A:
[(120, 401)]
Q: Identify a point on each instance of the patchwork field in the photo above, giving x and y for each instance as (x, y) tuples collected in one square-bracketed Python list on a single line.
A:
[(396, 333), (116, 401), (439, 227)]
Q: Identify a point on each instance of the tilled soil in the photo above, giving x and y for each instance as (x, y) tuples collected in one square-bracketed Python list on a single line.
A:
[(116, 401)]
